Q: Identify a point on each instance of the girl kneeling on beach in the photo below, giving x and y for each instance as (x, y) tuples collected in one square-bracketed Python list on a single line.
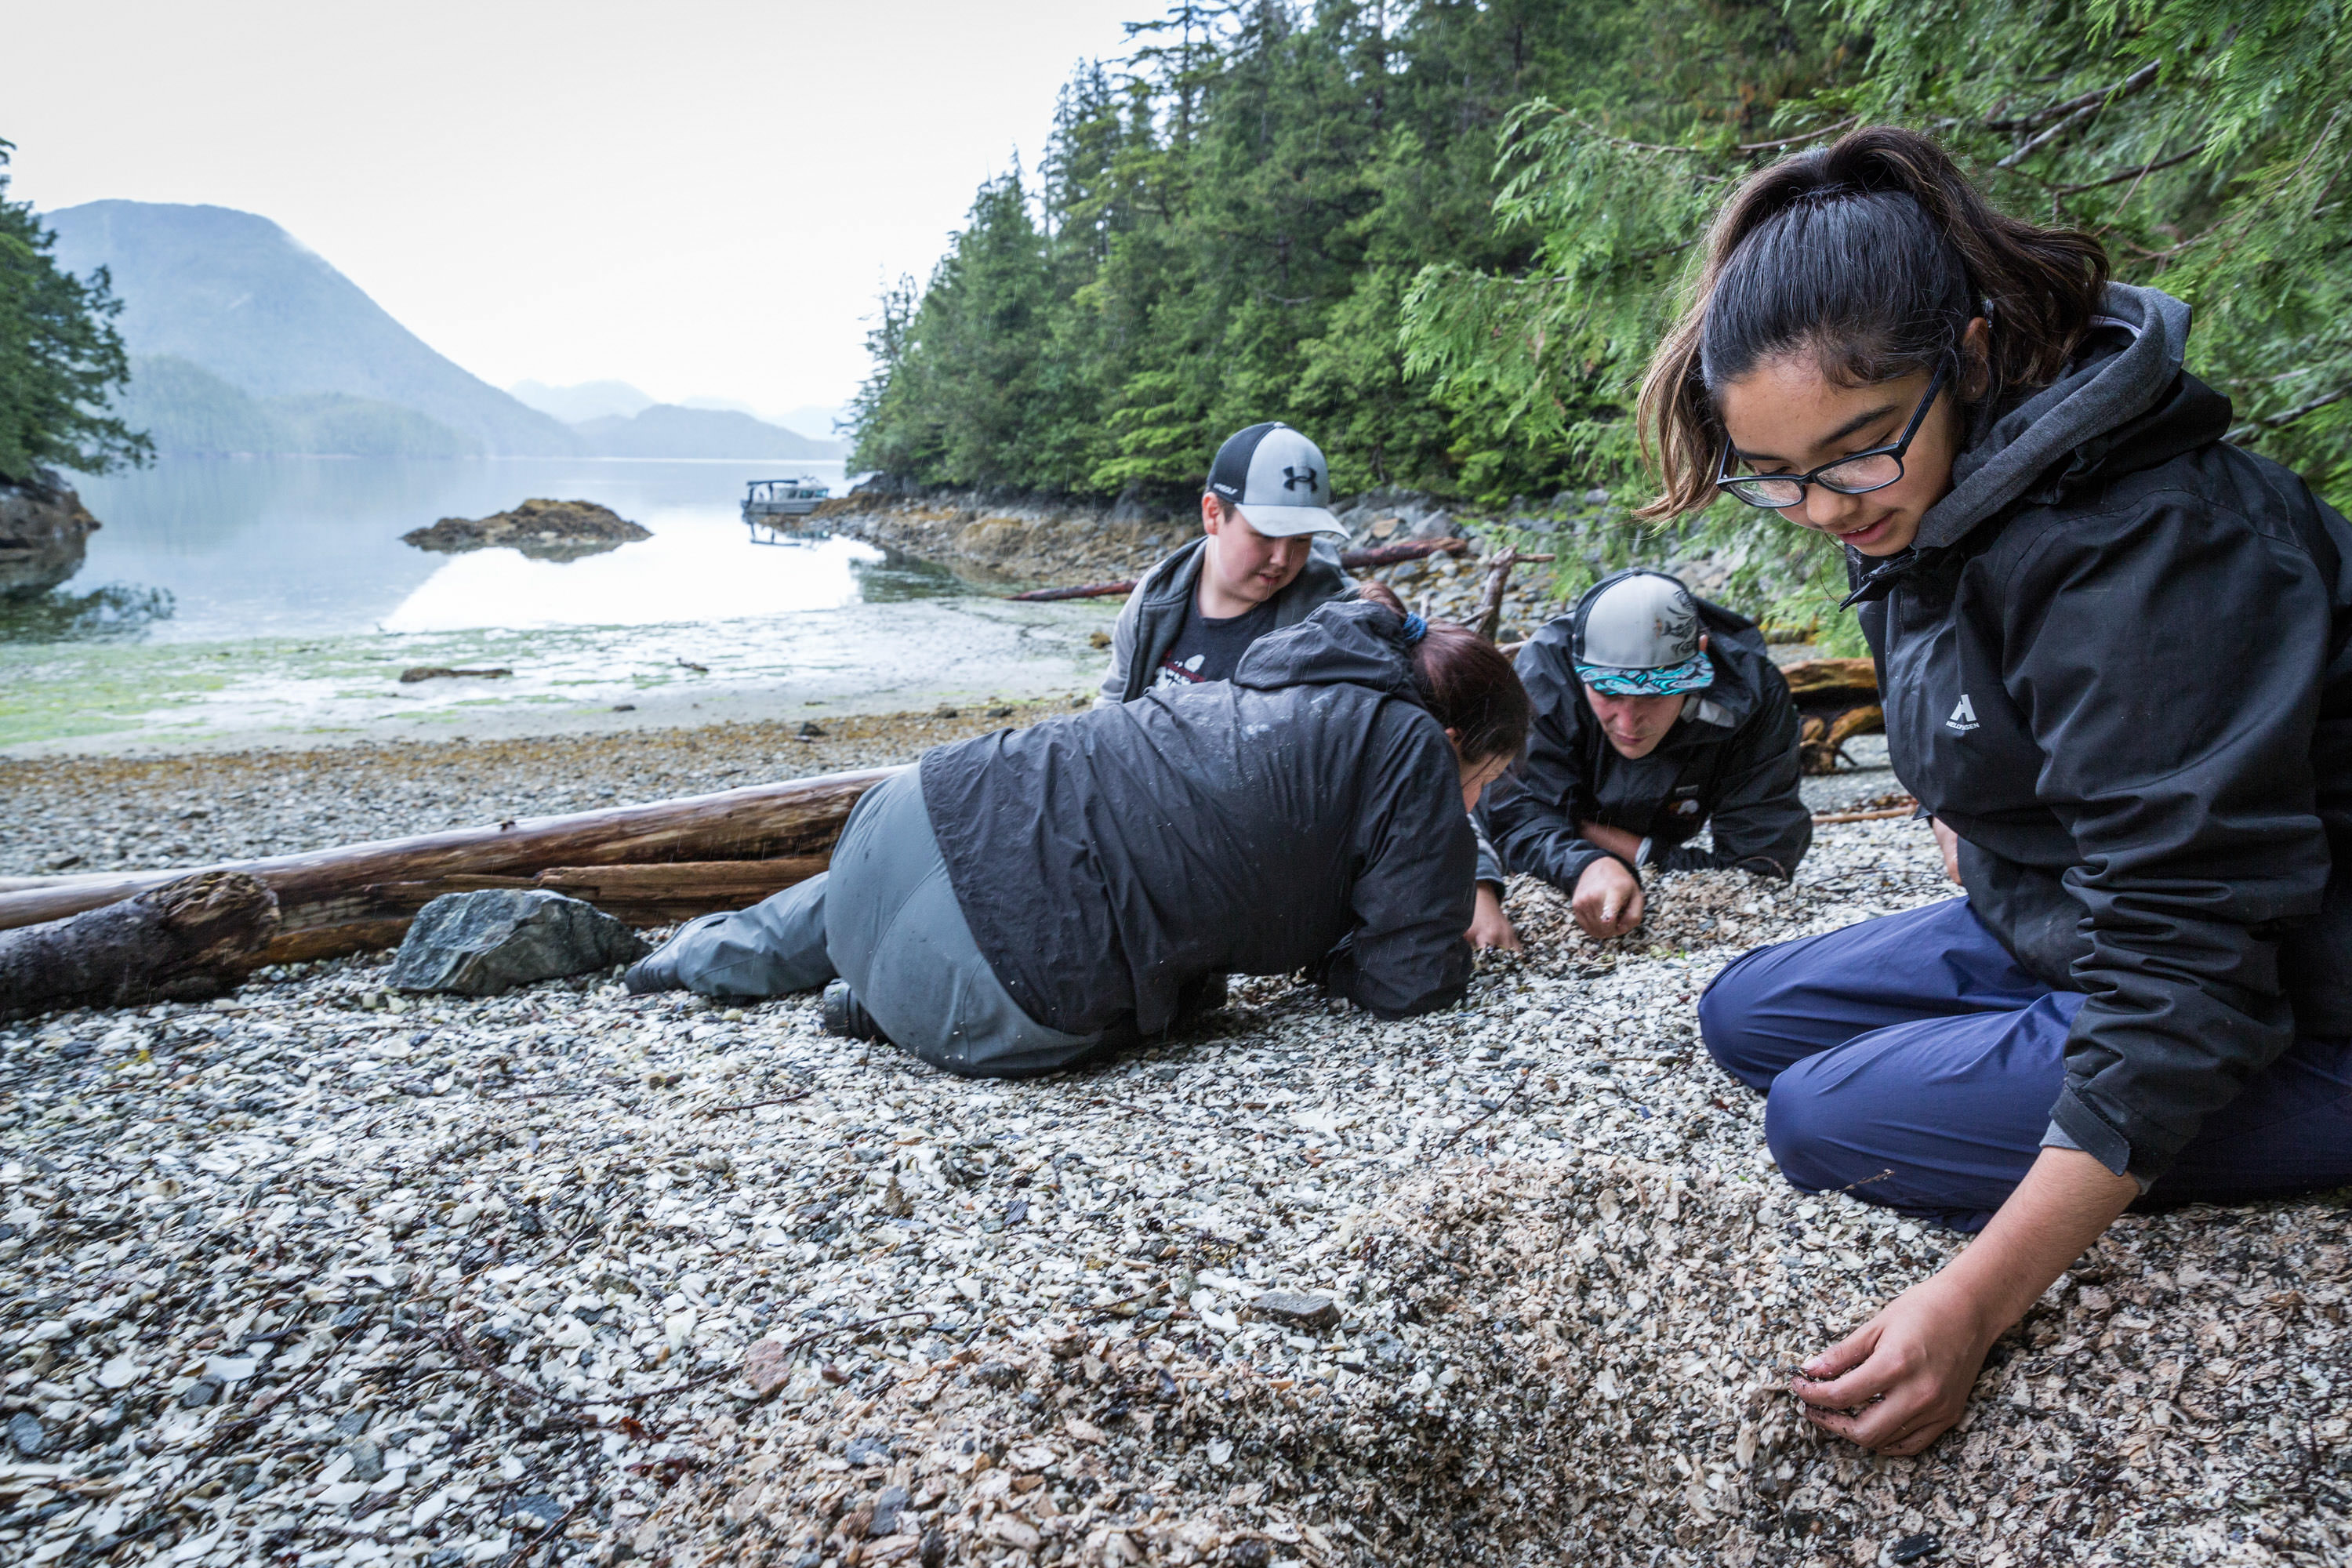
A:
[(2113, 650), (1022, 901)]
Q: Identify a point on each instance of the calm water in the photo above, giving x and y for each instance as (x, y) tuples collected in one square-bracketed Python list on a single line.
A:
[(309, 547), (229, 602)]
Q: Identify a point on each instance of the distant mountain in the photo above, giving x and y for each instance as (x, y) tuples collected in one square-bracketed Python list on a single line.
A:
[(236, 296), (190, 411), (814, 419), (589, 400), (667, 430)]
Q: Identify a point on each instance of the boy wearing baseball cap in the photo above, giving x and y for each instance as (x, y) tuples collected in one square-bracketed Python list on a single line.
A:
[(1264, 560), (1657, 714)]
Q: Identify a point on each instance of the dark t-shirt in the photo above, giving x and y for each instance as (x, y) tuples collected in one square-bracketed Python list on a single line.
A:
[(1208, 649)]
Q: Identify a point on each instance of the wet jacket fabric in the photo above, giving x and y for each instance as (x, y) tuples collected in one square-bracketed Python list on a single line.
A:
[(1731, 763), (1153, 616), (2118, 663), (1307, 815)]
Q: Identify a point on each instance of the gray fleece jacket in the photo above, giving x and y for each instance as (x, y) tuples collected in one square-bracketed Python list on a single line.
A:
[(1154, 613)]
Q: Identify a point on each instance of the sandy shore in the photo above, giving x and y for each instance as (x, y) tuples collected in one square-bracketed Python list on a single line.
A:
[(571, 1276)]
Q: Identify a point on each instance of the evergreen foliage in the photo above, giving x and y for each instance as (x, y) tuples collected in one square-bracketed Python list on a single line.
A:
[(2206, 142), (59, 356), (1222, 231), (1443, 237)]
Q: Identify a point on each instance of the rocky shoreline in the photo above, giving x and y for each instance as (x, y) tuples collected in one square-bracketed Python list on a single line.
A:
[(1026, 541), (315, 1275), (44, 534)]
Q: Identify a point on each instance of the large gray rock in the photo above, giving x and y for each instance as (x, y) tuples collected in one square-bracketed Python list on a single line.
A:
[(478, 944), (44, 530)]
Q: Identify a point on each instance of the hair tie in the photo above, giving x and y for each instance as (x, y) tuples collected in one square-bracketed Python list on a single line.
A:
[(1415, 629)]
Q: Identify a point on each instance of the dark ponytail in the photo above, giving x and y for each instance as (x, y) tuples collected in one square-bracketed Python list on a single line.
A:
[(1464, 680), (1871, 255)]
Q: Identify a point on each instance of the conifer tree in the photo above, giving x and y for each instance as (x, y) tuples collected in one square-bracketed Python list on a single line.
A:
[(60, 356)]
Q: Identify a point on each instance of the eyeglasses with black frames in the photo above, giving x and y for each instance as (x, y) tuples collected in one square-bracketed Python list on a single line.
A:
[(1856, 474)]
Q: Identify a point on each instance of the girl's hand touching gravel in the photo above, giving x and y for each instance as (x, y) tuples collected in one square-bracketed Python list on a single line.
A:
[(1490, 926), (1918, 1358), (1896, 1383)]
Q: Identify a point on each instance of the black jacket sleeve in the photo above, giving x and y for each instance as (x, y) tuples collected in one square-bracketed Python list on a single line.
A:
[(1530, 813), (2169, 667), (1416, 857), (1758, 820)]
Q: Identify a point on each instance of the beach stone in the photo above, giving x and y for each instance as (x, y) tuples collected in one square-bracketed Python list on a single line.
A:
[(199, 1393), (766, 1367), (482, 944), (888, 1504), (1296, 1307), (866, 1451), (538, 1507), (31, 1437), (367, 1460)]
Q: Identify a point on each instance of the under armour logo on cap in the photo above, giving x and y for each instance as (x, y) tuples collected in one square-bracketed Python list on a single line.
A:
[(1276, 479)]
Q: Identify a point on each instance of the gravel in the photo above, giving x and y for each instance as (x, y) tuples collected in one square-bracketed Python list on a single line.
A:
[(318, 1274)]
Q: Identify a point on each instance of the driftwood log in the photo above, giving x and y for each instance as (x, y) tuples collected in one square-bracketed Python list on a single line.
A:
[(1837, 699), (650, 864), (1498, 583), (191, 938), (1353, 560)]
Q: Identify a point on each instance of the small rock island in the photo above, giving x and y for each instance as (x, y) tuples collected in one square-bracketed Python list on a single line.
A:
[(543, 530)]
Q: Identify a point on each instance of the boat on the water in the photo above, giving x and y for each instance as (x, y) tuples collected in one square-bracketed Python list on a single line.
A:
[(783, 498), (774, 504)]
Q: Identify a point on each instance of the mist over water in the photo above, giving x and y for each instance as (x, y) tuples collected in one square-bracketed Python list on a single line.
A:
[(310, 546), (230, 601)]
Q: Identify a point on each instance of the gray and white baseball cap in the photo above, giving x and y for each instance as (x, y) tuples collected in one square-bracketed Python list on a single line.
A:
[(1277, 478), (1636, 634)]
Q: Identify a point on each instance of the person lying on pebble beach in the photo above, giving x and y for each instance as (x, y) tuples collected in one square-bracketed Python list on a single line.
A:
[(1657, 714), (1029, 899), (1263, 562), (2114, 665)]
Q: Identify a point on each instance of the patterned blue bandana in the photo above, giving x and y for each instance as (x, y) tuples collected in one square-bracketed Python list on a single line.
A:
[(1693, 674)]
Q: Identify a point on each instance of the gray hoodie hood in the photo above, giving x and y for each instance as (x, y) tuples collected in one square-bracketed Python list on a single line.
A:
[(2107, 386)]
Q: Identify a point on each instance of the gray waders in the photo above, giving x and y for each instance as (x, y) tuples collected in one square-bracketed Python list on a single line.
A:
[(885, 920)]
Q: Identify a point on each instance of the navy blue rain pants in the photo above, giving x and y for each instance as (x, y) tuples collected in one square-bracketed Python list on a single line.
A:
[(1910, 1059)]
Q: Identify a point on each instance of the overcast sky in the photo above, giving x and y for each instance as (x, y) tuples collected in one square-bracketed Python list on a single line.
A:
[(702, 197)]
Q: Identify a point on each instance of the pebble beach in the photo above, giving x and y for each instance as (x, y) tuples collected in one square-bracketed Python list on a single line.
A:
[(316, 1274)]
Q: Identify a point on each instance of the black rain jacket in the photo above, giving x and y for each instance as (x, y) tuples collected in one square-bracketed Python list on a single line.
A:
[(1730, 760), (2118, 664), (1307, 813)]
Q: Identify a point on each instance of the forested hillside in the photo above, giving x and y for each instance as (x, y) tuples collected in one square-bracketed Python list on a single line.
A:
[(1443, 237), (1224, 229)]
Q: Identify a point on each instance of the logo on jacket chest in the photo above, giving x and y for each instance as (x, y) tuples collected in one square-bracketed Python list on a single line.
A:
[(1964, 716)]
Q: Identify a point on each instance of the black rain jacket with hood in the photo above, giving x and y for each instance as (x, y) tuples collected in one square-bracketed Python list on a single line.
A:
[(1731, 761), (1306, 814), (2118, 663)]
